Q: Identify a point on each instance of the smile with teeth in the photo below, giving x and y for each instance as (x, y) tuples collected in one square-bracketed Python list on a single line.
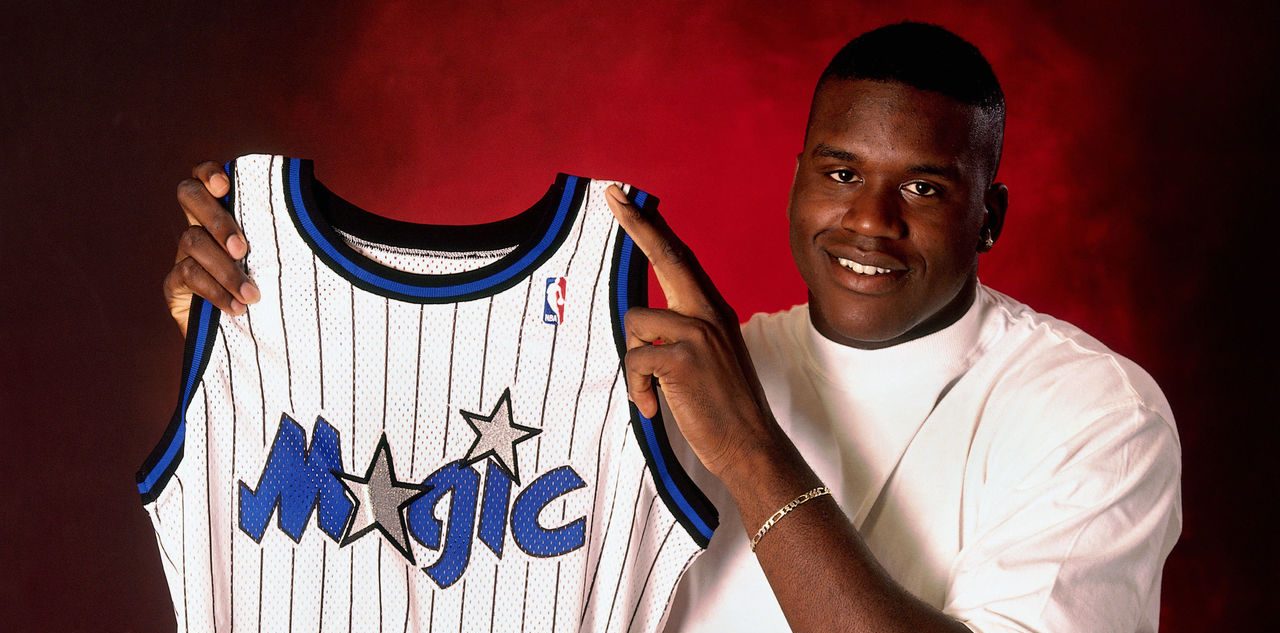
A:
[(861, 269)]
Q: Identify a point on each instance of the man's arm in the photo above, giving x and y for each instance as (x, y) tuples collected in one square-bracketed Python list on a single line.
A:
[(822, 573), (1073, 521)]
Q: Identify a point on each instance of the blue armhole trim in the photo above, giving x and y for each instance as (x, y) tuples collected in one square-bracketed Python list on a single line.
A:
[(629, 286), (202, 325)]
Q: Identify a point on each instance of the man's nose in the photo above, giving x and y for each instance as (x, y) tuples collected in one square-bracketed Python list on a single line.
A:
[(875, 212)]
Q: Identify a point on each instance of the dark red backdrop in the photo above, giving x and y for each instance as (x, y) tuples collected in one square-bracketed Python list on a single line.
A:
[(1138, 155)]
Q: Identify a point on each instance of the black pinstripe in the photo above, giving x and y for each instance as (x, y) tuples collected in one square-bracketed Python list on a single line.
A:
[(462, 606), (315, 280), (520, 335), (379, 584), (493, 603), (208, 506), (546, 390), (231, 539), (417, 384), (413, 442), (484, 355), (324, 563), (386, 357), (182, 496), (555, 601), (260, 592), (524, 602), (284, 332), (293, 566), (324, 553), (448, 397), (408, 598), (386, 385)]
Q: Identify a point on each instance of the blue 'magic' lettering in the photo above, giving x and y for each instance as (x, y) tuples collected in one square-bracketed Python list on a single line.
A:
[(464, 483), (298, 479), (534, 539), (493, 508)]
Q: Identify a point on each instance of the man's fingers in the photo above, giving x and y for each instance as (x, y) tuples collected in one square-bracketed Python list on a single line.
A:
[(198, 247), (186, 278), (680, 336), (642, 364), (643, 326), (198, 197), (213, 177), (683, 281)]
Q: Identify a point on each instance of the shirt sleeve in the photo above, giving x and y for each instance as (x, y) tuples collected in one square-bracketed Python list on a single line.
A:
[(1071, 534)]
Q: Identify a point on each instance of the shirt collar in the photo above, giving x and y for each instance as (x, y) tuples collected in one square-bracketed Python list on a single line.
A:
[(923, 363)]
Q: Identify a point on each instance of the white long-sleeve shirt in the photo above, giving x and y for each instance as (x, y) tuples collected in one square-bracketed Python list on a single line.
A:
[(1009, 470)]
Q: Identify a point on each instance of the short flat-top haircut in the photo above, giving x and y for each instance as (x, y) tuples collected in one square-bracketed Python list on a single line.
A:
[(923, 56)]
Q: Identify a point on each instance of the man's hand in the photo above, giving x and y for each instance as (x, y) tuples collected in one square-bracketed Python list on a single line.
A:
[(694, 348), (208, 249)]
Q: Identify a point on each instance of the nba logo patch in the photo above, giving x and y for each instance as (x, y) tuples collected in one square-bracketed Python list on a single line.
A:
[(553, 307)]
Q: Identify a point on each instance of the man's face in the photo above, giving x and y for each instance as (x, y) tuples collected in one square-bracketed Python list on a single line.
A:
[(887, 208)]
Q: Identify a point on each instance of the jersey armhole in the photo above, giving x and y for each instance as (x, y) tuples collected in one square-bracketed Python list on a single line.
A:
[(629, 286), (202, 327)]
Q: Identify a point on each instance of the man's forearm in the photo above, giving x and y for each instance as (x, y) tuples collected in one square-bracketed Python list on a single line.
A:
[(821, 571)]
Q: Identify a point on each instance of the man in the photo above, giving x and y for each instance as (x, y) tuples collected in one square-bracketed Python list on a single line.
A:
[(910, 450)]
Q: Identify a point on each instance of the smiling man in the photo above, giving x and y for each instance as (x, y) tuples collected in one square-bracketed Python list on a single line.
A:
[(909, 450)]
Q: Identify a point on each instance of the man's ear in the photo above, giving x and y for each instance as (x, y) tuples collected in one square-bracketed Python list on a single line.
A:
[(996, 201)]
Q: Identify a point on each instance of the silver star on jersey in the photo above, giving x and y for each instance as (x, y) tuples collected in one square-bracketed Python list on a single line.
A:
[(380, 501), (497, 435)]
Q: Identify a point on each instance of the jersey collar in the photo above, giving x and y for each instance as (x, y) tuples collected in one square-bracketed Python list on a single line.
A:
[(536, 233)]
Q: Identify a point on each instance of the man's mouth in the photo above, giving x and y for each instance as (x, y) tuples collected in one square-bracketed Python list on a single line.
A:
[(862, 269), (865, 278)]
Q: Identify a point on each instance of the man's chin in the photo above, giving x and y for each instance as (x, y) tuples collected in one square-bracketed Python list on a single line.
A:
[(870, 331)]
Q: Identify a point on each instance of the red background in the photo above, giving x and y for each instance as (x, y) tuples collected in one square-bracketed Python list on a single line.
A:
[(1138, 153)]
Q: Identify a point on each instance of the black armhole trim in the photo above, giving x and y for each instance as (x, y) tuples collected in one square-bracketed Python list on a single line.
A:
[(202, 326), (629, 286)]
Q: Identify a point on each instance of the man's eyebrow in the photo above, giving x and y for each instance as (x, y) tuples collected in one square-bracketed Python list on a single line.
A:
[(943, 171), (822, 150)]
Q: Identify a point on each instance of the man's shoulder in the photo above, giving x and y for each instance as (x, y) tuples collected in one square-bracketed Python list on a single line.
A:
[(775, 333), (1050, 376)]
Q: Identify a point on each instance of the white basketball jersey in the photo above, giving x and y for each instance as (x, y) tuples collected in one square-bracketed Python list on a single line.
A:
[(419, 428)]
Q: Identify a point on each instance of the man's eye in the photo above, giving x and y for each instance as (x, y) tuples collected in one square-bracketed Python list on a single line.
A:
[(922, 189), (842, 175)]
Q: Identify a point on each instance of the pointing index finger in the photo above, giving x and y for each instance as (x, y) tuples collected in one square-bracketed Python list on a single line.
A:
[(683, 281)]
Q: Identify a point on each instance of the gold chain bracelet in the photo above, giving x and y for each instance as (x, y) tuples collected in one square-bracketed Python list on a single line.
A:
[(777, 516)]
